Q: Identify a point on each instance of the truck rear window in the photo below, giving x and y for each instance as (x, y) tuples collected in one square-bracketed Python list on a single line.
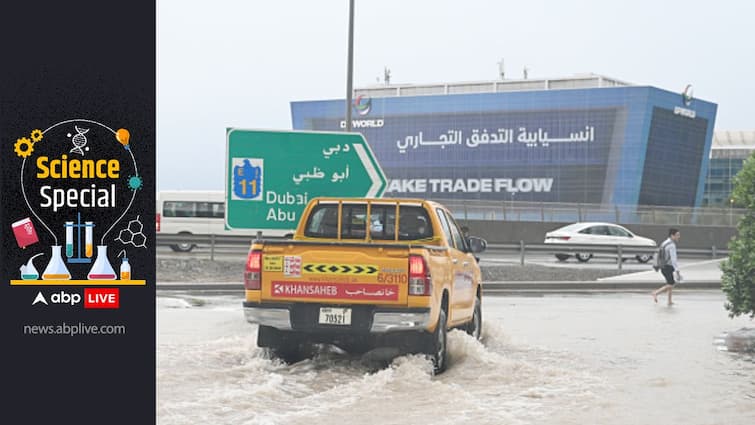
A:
[(413, 222)]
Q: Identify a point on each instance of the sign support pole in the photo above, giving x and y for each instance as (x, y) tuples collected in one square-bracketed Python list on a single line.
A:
[(350, 66)]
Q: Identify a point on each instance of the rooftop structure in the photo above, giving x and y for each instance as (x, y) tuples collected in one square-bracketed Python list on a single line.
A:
[(579, 81), (734, 140)]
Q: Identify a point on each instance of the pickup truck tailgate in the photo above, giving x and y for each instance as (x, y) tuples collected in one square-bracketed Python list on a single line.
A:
[(337, 273)]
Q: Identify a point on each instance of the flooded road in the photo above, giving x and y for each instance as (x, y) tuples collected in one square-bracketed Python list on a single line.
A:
[(588, 359)]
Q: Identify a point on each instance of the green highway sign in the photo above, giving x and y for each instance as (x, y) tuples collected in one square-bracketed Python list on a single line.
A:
[(271, 175)]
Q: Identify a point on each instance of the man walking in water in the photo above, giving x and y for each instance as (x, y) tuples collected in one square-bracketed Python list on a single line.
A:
[(667, 264)]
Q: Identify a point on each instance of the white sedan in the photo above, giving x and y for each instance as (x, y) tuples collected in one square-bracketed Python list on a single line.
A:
[(598, 234)]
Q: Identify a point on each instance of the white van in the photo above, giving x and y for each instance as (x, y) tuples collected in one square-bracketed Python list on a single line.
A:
[(186, 212)]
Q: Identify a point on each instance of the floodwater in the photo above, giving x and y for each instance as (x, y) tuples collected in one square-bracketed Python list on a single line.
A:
[(588, 359)]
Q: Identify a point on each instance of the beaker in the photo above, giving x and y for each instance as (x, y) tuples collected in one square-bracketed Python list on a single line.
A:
[(101, 270), (56, 269), (69, 239), (88, 237)]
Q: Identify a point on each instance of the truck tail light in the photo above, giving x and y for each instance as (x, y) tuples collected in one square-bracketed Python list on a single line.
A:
[(419, 276), (157, 223), (253, 272)]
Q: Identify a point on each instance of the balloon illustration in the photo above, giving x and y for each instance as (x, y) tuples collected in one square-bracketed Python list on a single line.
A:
[(122, 135)]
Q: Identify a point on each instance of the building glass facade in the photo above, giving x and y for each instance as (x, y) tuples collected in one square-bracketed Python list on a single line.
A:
[(724, 165), (621, 145), (729, 151)]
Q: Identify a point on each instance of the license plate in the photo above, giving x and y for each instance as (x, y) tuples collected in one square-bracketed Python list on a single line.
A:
[(335, 316)]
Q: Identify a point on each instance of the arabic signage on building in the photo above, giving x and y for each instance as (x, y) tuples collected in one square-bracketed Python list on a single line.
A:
[(515, 155)]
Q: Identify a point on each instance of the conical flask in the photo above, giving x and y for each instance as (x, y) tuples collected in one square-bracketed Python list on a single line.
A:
[(56, 269), (101, 270)]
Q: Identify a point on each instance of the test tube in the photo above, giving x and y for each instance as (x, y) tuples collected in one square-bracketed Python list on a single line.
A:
[(88, 235), (69, 239)]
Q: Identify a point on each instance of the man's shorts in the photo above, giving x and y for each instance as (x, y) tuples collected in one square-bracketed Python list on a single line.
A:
[(668, 273)]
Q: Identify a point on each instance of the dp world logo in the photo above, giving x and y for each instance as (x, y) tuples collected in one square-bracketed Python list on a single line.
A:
[(362, 105), (687, 94)]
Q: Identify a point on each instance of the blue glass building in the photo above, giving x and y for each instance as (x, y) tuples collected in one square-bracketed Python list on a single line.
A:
[(727, 156), (586, 139)]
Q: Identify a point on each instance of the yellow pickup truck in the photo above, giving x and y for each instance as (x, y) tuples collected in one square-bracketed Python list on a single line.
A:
[(363, 274)]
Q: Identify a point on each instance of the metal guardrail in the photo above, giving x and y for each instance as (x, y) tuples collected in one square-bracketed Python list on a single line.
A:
[(574, 212), (174, 239), (619, 251), (237, 243), (233, 244)]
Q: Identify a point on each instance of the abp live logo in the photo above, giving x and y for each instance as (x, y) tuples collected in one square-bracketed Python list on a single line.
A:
[(102, 298)]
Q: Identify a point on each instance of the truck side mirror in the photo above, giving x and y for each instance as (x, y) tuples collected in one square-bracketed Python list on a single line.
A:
[(476, 244)]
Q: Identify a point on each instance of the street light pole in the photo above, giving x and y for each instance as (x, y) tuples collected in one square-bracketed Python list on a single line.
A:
[(350, 65)]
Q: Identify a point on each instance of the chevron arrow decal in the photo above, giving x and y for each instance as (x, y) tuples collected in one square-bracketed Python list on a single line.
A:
[(340, 269)]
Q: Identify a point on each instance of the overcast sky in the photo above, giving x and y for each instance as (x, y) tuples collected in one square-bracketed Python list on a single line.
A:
[(239, 63)]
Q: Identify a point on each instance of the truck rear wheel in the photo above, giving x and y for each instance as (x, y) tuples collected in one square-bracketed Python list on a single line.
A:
[(439, 352), (288, 355), (281, 346)]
